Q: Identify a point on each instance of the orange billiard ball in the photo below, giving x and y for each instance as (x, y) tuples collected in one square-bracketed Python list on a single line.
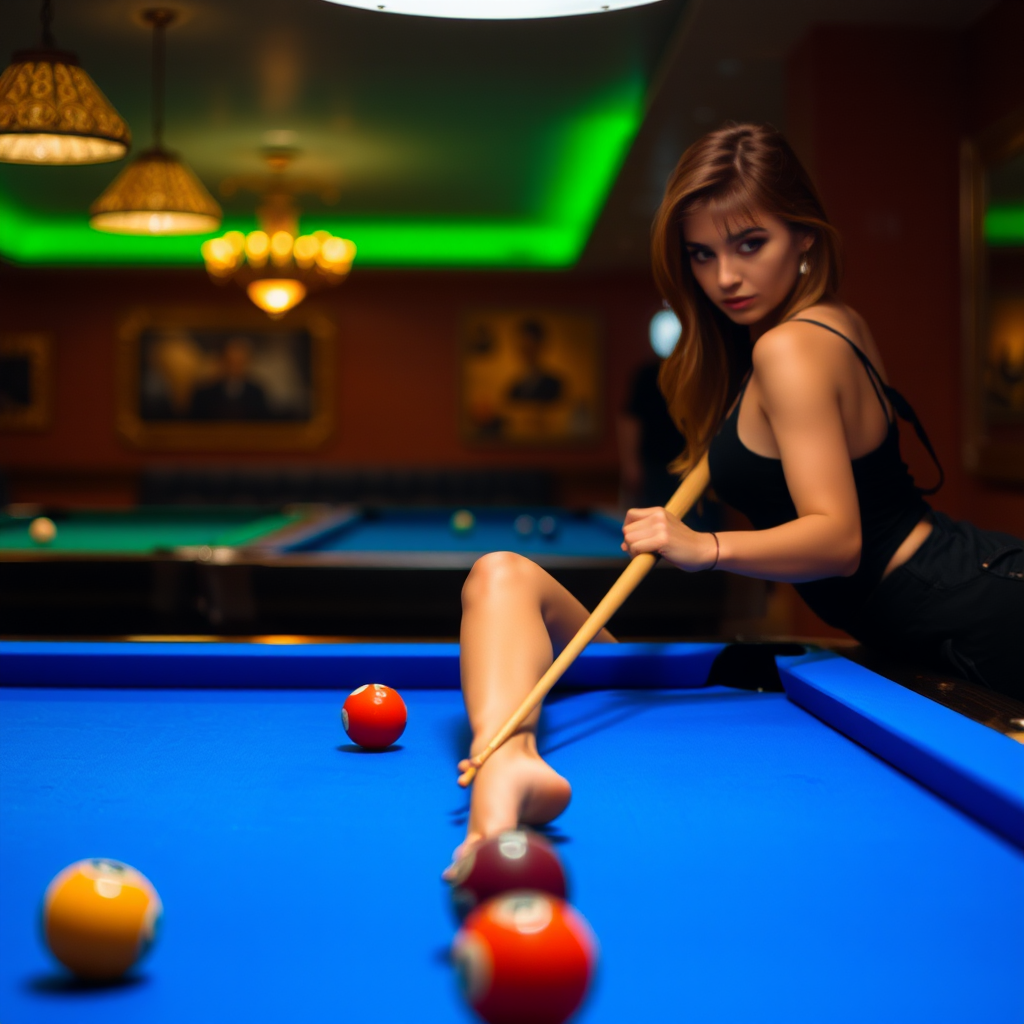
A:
[(525, 956), (374, 716), (100, 917), (42, 530)]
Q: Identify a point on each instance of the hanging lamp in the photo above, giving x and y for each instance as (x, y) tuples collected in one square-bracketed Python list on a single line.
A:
[(52, 112), (157, 193), (501, 10)]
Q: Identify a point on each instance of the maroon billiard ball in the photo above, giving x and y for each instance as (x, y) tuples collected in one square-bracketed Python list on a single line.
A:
[(516, 859)]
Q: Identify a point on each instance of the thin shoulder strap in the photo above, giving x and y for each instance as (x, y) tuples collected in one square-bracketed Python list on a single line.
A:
[(900, 405), (873, 375)]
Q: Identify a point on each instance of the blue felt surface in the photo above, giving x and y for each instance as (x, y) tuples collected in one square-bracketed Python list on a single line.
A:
[(739, 860), (972, 766), (591, 535), (316, 666)]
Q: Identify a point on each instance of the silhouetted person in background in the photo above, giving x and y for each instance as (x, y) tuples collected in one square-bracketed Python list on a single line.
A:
[(648, 442)]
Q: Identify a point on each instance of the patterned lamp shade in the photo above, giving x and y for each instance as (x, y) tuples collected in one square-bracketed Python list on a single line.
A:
[(51, 112), (156, 194)]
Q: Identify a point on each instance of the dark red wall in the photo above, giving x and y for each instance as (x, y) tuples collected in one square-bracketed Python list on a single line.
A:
[(878, 115), (396, 388)]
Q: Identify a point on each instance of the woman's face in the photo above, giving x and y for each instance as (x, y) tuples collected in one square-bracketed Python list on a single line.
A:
[(748, 268)]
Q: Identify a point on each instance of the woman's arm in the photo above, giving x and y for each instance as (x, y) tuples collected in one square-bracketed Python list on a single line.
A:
[(796, 384)]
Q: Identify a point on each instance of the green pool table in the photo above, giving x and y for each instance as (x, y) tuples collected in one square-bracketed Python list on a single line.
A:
[(118, 571), (139, 532)]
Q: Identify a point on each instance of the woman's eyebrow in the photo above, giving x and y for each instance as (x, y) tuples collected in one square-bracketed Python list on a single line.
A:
[(735, 237), (743, 234)]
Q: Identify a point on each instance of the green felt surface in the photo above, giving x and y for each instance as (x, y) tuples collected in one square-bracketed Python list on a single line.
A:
[(145, 531)]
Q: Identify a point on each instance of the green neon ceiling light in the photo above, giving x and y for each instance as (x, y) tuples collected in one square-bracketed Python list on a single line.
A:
[(1004, 225), (582, 167)]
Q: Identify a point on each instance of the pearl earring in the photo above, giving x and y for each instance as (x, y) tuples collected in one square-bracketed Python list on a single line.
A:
[(804, 265)]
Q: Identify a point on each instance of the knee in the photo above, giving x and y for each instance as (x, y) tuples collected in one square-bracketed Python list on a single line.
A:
[(496, 573)]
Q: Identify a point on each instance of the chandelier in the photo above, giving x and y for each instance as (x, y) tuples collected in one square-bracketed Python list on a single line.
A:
[(157, 193), (277, 266), (52, 112)]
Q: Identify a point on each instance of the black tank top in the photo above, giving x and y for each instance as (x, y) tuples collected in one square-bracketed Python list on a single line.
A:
[(890, 503)]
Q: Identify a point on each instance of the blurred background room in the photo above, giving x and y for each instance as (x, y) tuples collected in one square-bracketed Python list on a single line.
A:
[(341, 273)]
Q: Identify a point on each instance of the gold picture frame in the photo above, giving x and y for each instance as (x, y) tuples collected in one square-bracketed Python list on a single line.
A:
[(26, 385), (176, 368), (993, 311), (531, 377)]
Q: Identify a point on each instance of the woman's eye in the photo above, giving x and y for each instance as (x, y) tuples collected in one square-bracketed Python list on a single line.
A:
[(751, 245), (700, 255)]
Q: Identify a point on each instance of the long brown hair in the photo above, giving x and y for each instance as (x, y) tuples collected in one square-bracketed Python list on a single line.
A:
[(733, 172)]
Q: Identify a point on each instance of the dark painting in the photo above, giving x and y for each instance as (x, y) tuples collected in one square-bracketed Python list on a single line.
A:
[(217, 375)]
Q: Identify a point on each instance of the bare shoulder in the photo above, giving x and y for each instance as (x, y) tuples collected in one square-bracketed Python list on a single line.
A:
[(796, 363), (789, 346), (791, 371), (797, 336)]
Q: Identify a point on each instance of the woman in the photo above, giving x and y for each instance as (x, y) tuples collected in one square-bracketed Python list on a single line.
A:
[(782, 385)]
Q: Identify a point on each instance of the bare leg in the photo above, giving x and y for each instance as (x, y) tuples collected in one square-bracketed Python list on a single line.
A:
[(514, 616)]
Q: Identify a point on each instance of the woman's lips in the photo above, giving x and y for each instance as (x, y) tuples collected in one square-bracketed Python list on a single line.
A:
[(740, 303)]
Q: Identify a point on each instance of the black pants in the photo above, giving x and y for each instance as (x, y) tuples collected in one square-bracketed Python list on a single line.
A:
[(957, 603)]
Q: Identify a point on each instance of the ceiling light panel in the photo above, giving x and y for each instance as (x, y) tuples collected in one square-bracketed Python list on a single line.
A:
[(493, 10)]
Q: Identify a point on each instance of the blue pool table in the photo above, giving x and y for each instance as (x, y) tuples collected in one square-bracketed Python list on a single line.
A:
[(399, 572), (843, 851), (354, 536)]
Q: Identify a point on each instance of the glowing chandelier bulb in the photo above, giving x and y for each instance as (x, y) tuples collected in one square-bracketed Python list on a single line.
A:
[(278, 270), (276, 295)]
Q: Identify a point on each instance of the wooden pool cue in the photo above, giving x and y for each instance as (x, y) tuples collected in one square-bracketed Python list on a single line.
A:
[(679, 504)]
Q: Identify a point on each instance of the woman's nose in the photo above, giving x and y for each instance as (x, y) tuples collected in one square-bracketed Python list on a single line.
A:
[(728, 278)]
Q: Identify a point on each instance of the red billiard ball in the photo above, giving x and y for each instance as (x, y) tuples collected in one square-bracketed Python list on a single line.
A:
[(525, 956), (374, 716), (516, 859), (100, 917)]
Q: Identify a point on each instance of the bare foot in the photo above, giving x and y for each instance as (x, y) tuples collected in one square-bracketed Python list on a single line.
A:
[(516, 786)]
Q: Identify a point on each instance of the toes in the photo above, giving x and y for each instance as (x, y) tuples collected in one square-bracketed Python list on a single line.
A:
[(459, 852)]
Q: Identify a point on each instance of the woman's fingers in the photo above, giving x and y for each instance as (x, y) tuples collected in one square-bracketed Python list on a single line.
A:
[(635, 514), (657, 531), (645, 539)]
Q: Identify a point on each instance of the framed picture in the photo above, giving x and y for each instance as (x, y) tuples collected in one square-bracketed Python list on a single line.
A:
[(206, 379), (25, 382), (530, 377), (993, 301)]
